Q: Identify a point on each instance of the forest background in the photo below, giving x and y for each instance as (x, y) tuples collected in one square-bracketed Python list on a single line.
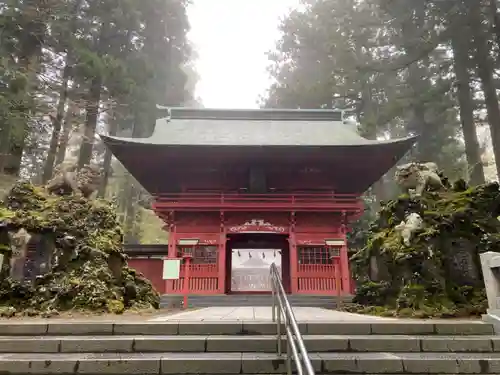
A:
[(398, 67)]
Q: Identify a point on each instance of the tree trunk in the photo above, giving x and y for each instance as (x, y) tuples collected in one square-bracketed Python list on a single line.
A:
[(367, 119), (57, 124), (92, 115), (66, 131), (461, 65), (133, 220), (61, 105), (123, 199), (92, 105), (495, 19), (112, 130), (33, 16), (13, 135), (106, 165), (485, 72), (412, 30)]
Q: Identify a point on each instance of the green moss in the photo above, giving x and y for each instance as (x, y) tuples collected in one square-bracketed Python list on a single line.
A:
[(7, 311), (115, 307), (87, 280), (425, 278)]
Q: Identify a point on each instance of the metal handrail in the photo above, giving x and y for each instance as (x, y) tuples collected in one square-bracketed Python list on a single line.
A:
[(296, 348)]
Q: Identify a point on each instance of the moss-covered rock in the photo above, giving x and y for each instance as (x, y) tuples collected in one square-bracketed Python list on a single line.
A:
[(438, 274), (86, 266)]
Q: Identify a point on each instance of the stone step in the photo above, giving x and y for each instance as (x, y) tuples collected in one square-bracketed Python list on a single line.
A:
[(201, 304), (224, 300), (393, 327), (257, 344), (248, 363)]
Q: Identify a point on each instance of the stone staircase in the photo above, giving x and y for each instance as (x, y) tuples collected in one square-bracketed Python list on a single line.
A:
[(380, 347), (221, 300)]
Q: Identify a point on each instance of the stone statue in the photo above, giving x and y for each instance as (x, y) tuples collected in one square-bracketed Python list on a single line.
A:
[(88, 179), (64, 180), (19, 246), (418, 177), (69, 180), (407, 227), (19, 242)]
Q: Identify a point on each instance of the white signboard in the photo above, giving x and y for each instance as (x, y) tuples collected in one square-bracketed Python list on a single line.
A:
[(171, 269)]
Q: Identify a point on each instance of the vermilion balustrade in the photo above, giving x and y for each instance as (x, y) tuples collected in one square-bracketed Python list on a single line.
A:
[(228, 201), (320, 279), (203, 279)]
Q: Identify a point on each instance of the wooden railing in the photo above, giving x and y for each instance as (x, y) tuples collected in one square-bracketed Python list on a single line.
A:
[(203, 278), (235, 201), (320, 278)]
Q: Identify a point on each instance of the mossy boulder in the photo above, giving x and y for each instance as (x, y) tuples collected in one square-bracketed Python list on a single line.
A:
[(87, 269), (439, 273)]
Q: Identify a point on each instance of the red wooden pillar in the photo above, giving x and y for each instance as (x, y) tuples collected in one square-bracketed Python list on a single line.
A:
[(221, 257), (344, 264), (292, 245), (172, 238), (338, 277), (186, 287), (172, 251)]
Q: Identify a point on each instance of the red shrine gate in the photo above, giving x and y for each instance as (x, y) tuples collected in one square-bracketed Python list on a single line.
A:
[(239, 189), (232, 251)]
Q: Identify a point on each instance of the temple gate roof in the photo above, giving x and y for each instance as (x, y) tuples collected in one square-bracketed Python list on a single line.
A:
[(229, 137), (209, 127)]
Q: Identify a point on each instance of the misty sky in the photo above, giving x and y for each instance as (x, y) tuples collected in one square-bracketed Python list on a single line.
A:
[(231, 38)]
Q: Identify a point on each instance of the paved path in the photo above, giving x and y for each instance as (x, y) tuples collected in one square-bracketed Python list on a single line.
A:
[(302, 314)]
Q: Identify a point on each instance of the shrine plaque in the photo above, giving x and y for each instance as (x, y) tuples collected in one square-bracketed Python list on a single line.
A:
[(171, 269)]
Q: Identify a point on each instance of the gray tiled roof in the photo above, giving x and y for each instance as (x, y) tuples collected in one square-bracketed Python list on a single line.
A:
[(275, 136), (251, 133)]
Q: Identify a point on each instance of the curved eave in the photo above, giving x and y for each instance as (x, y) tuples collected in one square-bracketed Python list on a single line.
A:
[(356, 166), (152, 143)]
